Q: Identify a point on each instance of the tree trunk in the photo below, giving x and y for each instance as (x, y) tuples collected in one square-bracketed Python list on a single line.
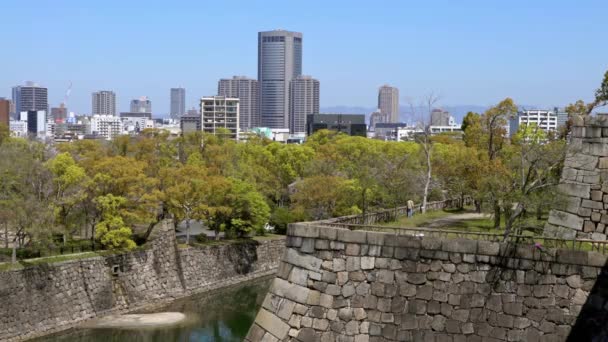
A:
[(5, 234), (427, 182), (496, 215), (511, 219), (14, 255), (187, 231)]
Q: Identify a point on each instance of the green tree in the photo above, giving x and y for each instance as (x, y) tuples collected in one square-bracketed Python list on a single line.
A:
[(111, 230)]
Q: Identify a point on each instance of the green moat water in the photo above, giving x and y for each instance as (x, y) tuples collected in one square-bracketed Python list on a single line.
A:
[(223, 315)]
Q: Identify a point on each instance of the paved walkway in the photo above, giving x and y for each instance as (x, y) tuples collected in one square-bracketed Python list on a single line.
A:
[(446, 222)]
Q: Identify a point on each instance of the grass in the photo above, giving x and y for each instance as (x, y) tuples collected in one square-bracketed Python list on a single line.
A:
[(8, 266), (222, 242)]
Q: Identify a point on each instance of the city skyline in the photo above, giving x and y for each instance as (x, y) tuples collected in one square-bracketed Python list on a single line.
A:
[(484, 55)]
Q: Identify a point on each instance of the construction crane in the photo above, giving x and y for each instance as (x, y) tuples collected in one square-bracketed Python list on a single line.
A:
[(64, 104)]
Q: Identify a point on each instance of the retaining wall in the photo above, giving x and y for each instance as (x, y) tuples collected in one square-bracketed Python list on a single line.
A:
[(583, 213), (355, 286), (48, 298)]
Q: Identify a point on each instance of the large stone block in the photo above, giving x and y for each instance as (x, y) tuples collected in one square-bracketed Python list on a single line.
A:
[(564, 219), (306, 261), (575, 190), (272, 324), (592, 204), (581, 161), (355, 236), (460, 246), (303, 230)]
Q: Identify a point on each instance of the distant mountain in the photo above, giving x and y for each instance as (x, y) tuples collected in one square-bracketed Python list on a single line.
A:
[(457, 111)]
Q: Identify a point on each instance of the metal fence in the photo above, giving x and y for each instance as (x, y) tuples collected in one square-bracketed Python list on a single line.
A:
[(388, 215)]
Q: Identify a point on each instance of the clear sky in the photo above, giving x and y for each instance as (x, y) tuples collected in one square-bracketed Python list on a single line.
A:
[(544, 52)]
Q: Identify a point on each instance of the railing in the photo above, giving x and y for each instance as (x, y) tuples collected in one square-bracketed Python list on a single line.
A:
[(539, 241), (388, 215)]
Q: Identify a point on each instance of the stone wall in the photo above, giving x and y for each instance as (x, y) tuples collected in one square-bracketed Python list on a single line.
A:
[(49, 298), (355, 286), (584, 211)]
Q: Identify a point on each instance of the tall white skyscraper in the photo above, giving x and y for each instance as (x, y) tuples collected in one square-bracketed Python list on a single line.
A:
[(141, 105), (178, 103), (304, 100), (388, 102), (103, 103), (279, 61), (246, 90), (30, 97)]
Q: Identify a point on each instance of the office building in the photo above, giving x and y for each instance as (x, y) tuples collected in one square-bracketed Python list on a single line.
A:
[(304, 100), (30, 97), (279, 61), (104, 103), (389, 130), (545, 120), (388, 102), (5, 112), (440, 117), (375, 118), (59, 114), (220, 115), (351, 124), (562, 117), (36, 122), (190, 123), (193, 112), (246, 90), (178, 103), (106, 126), (141, 105), (134, 122)]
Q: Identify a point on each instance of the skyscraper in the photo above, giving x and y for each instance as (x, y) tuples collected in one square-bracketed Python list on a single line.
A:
[(279, 61), (104, 103), (4, 111), (178, 103), (30, 97), (246, 90), (141, 105), (388, 102), (304, 100)]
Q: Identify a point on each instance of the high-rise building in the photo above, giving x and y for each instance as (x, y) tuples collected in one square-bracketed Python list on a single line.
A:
[(246, 90), (178, 103), (141, 105), (388, 102), (440, 117), (279, 61), (104, 103), (545, 120), (30, 97), (59, 114), (304, 100), (36, 122), (220, 112), (4, 112)]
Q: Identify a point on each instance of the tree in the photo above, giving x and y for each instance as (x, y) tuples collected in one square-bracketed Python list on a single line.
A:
[(322, 197), (111, 231), (186, 194), (68, 190), (535, 167)]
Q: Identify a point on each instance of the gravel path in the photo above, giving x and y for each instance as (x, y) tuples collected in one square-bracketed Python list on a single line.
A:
[(446, 222)]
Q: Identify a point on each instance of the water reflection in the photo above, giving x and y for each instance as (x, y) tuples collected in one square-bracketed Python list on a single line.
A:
[(224, 315)]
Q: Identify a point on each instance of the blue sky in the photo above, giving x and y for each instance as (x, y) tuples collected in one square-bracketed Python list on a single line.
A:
[(471, 52)]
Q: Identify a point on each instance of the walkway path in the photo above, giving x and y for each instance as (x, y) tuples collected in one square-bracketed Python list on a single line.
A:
[(446, 222)]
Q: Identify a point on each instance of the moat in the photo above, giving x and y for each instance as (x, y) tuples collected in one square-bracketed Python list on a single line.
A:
[(222, 315)]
